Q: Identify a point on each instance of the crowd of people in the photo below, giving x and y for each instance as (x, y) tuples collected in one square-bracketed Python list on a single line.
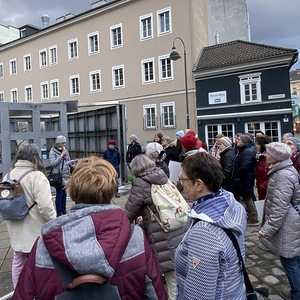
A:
[(130, 248)]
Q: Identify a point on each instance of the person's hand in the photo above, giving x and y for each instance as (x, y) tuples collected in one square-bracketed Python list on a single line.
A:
[(64, 152), (139, 219), (261, 234)]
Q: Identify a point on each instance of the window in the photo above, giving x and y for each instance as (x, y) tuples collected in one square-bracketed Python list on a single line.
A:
[(27, 62), (54, 94), (93, 42), (73, 49), (13, 67), (212, 130), (168, 119), (1, 96), (1, 71), (116, 40), (250, 88), (43, 58), (14, 95), (150, 118), (52, 55), (28, 93), (118, 77), (164, 24), (95, 83), (165, 68), (148, 71), (146, 27), (44, 90), (74, 85), (271, 129)]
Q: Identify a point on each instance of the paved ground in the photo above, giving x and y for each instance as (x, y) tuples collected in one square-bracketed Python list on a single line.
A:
[(263, 267)]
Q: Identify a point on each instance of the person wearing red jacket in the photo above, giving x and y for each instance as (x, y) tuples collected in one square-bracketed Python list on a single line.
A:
[(261, 166), (96, 237)]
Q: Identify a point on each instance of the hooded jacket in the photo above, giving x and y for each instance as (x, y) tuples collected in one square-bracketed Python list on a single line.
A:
[(281, 222), (206, 262), (92, 239), (163, 243), (227, 161)]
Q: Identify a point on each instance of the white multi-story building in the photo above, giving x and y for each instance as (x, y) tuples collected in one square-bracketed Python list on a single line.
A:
[(118, 51)]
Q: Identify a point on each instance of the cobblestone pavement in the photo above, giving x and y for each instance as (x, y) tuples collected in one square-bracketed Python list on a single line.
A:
[(264, 268)]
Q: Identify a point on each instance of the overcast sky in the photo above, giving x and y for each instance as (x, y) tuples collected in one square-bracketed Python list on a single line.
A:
[(273, 22)]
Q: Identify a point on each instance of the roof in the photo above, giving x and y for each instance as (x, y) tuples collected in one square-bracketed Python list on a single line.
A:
[(238, 52), (295, 75)]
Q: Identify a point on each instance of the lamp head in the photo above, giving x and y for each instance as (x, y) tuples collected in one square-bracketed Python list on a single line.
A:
[(174, 55)]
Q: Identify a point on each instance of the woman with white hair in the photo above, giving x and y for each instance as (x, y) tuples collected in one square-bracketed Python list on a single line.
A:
[(281, 223), (155, 152)]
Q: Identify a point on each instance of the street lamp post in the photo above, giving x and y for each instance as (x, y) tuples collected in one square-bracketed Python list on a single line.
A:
[(174, 55)]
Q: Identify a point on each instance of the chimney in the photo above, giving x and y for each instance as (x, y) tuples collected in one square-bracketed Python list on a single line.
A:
[(45, 20)]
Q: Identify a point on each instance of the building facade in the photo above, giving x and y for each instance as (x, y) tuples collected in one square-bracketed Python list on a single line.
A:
[(244, 87), (117, 51)]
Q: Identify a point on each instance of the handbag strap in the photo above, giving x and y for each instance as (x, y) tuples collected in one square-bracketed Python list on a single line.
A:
[(295, 206), (248, 284)]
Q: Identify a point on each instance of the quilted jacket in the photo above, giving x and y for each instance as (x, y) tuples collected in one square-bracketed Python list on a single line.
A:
[(206, 261), (92, 239), (163, 243), (281, 222)]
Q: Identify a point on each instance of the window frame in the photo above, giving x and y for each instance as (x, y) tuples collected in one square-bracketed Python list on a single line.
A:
[(112, 30), (145, 18), (114, 69), (163, 124), (262, 126), (26, 88), (13, 92), (27, 67), (72, 42), (161, 58), (249, 79), (72, 91), (1, 70), (210, 138), (153, 119), (159, 14), (91, 74), (43, 59), (13, 67), (52, 96), (143, 70), (90, 37), (51, 61), (2, 96), (44, 89)]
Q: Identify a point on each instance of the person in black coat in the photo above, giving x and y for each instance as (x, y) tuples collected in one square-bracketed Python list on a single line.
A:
[(227, 161), (245, 175), (134, 149), (170, 150)]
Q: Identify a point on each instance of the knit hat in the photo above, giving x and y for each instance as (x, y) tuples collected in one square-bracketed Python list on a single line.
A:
[(226, 141), (279, 151), (180, 133), (294, 140), (189, 142), (245, 138), (60, 139), (112, 142), (133, 137)]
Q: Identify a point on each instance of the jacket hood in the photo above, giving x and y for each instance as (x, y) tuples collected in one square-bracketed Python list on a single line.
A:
[(154, 176), (220, 209), (90, 239)]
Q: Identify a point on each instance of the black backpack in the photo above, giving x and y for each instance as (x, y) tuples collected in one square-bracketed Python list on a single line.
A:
[(84, 287)]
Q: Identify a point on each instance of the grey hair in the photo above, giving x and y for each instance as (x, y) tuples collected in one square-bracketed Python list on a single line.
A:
[(155, 151), (30, 152), (141, 163)]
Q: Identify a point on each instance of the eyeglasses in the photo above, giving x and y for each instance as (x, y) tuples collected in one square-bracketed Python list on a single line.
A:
[(181, 179)]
